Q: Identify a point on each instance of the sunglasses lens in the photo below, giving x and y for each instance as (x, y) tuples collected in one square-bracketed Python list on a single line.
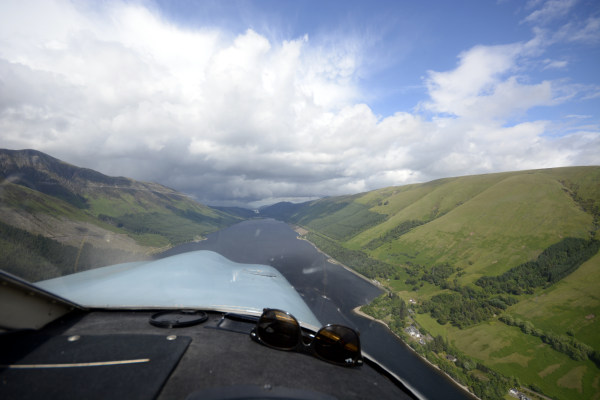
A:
[(338, 344), (278, 329)]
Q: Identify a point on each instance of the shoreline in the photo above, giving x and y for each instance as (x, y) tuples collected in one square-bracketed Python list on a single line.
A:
[(357, 311), (301, 232)]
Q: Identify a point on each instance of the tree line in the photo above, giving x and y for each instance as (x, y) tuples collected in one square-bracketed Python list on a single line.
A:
[(389, 304), (567, 345), (401, 229), (436, 274), (467, 305), (355, 259), (553, 264)]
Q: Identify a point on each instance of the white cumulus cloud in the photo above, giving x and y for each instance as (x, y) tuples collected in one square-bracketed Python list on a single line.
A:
[(242, 118)]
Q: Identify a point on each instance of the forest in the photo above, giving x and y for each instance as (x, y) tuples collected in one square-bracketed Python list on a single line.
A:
[(392, 305), (464, 306), (553, 264)]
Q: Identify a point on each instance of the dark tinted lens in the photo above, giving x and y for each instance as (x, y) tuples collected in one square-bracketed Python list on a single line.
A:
[(278, 329), (338, 344)]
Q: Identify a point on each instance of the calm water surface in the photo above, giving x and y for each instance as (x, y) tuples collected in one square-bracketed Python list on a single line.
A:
[(330, 291)]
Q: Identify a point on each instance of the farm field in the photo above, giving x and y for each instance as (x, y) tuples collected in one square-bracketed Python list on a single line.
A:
[(571, 306), (507, 350)]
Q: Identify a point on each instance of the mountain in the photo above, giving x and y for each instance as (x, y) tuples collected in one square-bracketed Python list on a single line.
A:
[(45, 202), (501, 270), (241, 212), (485, 224)]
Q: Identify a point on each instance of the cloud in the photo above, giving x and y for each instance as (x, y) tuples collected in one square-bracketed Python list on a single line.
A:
[(477, 74), (560, 21), (555, 64), (587, 31), (246, 119), (551, 10), (481, 86)]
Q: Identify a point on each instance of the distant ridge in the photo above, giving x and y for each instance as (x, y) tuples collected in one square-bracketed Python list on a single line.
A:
[(238, 211), (49, 175)]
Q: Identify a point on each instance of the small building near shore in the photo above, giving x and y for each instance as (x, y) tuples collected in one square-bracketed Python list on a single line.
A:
[(414, 332)]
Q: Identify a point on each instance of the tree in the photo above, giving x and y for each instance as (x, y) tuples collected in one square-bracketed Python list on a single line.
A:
[(527, 327)]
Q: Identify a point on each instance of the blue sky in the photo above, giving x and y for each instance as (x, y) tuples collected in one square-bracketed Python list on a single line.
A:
[(401, 40), (251, 102)]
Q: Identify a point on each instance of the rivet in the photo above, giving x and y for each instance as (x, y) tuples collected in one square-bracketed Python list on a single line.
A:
[(171, 337), (74, 338)]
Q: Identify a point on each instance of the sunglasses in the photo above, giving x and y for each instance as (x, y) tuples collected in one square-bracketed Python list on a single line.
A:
[(336, 344)]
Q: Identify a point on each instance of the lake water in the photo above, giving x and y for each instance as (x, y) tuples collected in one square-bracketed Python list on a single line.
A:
[(330, 291)]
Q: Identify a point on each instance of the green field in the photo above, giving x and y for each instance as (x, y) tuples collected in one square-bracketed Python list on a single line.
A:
[(507, 350), (572, 305)]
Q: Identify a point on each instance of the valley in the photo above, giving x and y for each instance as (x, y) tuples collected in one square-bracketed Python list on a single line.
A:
[(497, 273)]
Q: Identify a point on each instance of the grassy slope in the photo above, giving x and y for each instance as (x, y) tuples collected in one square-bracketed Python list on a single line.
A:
[(159, 222), (151, 213), (487, 224), (31, 201), (507, 224), (16, 200), (573, 304), (585, 178), (172, 218), (423, 202), (346, 222)]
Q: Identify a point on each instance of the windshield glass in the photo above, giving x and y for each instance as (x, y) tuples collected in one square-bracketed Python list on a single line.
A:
[(424, 173)]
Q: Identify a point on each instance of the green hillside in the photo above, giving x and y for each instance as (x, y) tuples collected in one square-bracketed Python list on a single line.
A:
[(441, 246), (508, 223), (105, 219)]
